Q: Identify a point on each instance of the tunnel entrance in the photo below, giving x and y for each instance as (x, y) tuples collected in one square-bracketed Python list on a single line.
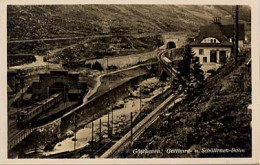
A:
[(58, 87), (171, 45)]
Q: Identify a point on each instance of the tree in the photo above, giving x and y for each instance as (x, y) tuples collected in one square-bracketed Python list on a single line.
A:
[(192, 74), (97, 66), (197, 77)]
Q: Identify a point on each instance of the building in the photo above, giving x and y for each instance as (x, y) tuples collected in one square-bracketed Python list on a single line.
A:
[(214, 44)]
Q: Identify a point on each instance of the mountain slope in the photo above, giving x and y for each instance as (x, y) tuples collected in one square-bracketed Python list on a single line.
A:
[(41, 21)]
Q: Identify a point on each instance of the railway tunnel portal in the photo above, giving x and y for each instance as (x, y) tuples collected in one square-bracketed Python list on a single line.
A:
[(58, 81), (170, 57)]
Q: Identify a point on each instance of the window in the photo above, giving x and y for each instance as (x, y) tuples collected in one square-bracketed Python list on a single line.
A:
[(196, 59), (213, 40), (210, 40), (213, 56), (205, 60), (201, 51), (222, 57)]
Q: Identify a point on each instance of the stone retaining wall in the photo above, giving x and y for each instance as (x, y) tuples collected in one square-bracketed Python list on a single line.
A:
[(122, 61)]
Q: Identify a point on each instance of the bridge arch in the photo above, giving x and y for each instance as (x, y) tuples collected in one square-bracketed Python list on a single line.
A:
[(171, 45)]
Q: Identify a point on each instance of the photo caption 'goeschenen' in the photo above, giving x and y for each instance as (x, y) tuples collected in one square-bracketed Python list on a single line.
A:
[(187, 151)]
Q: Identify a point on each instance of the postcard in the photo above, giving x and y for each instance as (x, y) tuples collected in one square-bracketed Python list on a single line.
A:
[(130, 82)]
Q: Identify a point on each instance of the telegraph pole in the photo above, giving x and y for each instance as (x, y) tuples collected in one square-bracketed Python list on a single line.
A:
[(18, 106), (131, 125), (75, 132), (100, 135), (140, 100), (47, 58), (22, 83), (92, 139), (112, 123), (64, 96), (236, 35), (108, 134), (107, 62)]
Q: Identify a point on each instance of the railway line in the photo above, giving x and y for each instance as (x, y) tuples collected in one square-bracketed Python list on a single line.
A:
[(140, 128), (15, 132), (126, 140)]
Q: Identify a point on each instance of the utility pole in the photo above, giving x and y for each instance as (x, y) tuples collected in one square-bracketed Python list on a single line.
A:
[(78, 93), (36, 141), (22, 83), (236, 36), (131, 125), (108, 134), (15, 77), (171, 80), (112, 123), (100, 135), (18, 106), (92, 139), (75, 132), (140, 100), (47, 92), (64, 94), (107, 62), (47, 59)]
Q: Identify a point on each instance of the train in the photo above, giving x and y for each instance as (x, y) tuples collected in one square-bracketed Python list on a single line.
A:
[(28, 114)]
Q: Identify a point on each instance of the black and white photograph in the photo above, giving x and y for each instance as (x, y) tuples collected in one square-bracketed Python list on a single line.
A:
[(128, 81)]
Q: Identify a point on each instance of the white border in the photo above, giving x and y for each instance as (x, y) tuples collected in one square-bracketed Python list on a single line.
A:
[(255, 84)]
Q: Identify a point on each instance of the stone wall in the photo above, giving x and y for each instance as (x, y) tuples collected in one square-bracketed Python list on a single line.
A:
[(99, 106), (92, 110), (122, 61)]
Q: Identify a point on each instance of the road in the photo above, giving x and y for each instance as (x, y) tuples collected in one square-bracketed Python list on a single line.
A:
[(82, 37), (45, 39), (98, 79), (38, 63)]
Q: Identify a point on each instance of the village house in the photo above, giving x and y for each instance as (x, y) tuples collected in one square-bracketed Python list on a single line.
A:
[(214, 44)]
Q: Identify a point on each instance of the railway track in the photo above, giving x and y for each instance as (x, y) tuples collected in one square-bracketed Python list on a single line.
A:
[(146, 122), (126, 140)]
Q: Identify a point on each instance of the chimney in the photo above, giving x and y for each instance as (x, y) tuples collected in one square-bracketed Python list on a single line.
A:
[(217, 20)]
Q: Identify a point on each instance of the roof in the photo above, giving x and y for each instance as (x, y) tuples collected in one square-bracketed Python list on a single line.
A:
[(212, 30), (228, 30)]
